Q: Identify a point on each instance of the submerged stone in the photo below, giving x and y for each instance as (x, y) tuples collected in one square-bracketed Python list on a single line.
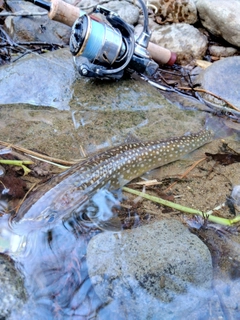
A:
[(12, 292), (40, 80), (159, 271)]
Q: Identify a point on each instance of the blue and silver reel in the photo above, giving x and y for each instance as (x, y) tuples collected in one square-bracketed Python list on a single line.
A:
[(106, 50)]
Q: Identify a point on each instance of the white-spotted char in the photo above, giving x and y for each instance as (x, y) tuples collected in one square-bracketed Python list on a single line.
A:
[(66, 192)]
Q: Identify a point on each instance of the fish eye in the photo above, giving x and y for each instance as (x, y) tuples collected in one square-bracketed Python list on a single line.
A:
[(51, 218)]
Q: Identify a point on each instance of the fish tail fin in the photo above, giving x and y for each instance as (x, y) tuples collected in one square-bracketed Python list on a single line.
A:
[(219, 127)]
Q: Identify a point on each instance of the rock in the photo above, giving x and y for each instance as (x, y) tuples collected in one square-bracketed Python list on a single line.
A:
[(220, 51), (39, 80), (175, 11), (150, 272), (221, 76), (184, 39), (35, 28), (12, 292), (221, 18), (127, 11), (42, 29)]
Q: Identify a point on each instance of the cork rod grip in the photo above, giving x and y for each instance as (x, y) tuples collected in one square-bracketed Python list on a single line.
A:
[(161, 55), (64, 12)]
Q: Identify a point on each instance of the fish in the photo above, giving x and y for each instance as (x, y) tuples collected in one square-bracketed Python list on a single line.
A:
[(65, 193)]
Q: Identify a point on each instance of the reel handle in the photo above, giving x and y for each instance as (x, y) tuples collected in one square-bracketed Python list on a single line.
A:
[(68, 14)]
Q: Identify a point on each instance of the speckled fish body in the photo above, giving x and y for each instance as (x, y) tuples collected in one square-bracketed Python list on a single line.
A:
[(67, 192)]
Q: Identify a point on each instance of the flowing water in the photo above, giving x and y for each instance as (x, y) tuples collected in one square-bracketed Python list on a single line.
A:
[(53, 263)]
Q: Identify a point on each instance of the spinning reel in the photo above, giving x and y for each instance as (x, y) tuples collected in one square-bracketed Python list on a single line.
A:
[(106, 49)]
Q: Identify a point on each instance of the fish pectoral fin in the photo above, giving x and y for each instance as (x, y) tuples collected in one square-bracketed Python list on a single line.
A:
[(131, 138)]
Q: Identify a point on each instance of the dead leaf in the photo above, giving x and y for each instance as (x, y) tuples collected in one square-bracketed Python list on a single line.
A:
[(13, 185), (203, 64), (224, 158)]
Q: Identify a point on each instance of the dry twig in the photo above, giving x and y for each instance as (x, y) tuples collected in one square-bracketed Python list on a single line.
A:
[(212, 94), (185, 173), (39, 155)]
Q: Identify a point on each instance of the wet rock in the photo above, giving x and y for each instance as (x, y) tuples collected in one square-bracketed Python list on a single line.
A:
[(39, 80), (220, 51), (221, 18), (222, 78), (224, 247), (12, 292), (35, 28), (184, 39), (150, 272), (175, 11)]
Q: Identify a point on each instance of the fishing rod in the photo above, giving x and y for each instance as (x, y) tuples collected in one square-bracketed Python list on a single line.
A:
[(106, 48)]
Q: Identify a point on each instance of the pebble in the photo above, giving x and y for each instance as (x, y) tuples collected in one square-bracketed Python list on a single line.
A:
[(221, 51)]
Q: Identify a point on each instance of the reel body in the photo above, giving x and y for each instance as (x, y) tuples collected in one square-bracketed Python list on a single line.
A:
[(106, 50)]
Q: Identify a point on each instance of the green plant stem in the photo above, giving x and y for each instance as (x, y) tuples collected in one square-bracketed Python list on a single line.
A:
[(20, 163), (223, 221)]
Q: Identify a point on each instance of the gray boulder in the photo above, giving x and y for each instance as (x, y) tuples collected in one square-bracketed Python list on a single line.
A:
[(222, 78), (150, 272), (182, 38), (35, 28), (127, 11), (39, 80), (221, 18)]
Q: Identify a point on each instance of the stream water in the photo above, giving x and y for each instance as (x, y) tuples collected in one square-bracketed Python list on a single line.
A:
[(53, 262), (54, 266)]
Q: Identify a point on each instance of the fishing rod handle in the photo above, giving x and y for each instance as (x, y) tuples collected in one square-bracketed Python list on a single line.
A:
[(64, 12)]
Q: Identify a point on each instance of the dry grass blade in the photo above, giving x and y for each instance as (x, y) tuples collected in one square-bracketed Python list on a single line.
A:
[(39, 155), (20, 203)]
